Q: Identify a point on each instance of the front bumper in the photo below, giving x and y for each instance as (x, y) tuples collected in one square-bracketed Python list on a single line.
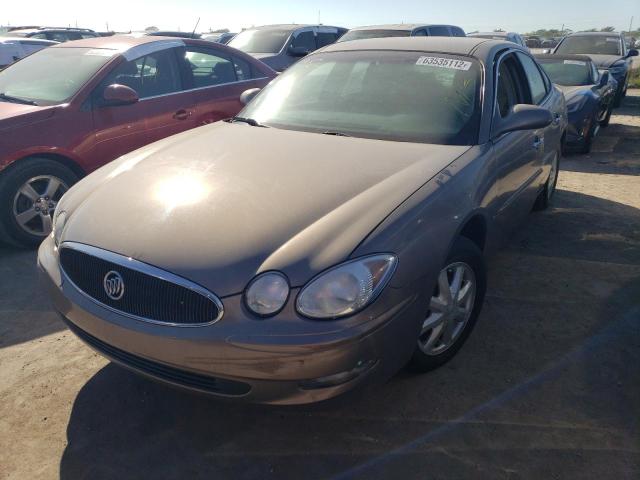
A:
[(241, 357)]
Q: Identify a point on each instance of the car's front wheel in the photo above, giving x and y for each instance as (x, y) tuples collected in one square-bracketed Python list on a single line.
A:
[(453, 308), (29, 193)]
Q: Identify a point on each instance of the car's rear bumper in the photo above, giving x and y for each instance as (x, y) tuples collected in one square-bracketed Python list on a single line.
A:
[(277, 368)]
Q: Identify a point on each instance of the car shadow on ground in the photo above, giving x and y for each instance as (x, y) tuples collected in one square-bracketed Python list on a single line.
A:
[(550, 373), (25, 309)]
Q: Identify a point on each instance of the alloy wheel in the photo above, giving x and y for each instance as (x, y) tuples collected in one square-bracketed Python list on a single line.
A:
[(35, 201), (450, 308)]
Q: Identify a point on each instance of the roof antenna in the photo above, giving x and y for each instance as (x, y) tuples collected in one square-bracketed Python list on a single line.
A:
[(193, 34)]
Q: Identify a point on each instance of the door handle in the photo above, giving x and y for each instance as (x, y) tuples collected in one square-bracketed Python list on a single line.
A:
[(538, 142), (182, 115)]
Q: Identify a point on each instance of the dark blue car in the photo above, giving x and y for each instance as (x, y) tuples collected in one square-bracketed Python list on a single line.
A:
[(607, 50), (589, 95)]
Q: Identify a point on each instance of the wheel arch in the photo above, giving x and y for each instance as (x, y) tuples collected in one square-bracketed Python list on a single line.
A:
[(56, 157), (474, 228)]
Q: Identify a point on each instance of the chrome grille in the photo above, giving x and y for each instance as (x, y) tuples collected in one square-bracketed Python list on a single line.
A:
[(150, 294)]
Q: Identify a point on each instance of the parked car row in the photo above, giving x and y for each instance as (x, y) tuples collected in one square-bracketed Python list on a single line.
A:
[(280, 256)]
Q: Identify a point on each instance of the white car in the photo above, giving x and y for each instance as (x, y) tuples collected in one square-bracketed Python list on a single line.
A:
[(12, 49)]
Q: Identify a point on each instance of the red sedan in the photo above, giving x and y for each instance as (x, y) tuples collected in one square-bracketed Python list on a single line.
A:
[(71, 108)]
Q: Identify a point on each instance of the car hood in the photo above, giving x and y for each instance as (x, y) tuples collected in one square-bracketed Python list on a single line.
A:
[(13, 115), (574, 90), (604, 61), (223, 202)]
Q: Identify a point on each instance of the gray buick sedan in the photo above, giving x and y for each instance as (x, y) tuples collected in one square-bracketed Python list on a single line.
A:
[(332, 233)]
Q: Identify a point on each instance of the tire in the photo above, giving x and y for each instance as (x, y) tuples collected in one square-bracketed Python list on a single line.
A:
[(466, 255), (588, 140), (605, 122), (40, 174), (546, 195)]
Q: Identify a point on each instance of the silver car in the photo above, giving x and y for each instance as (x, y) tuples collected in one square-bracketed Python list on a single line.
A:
[(333, 232), (280, 46)]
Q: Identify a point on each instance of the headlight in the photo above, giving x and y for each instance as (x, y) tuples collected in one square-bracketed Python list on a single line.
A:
[(347, 288), (576, 104), (267, 293), (59, 221)]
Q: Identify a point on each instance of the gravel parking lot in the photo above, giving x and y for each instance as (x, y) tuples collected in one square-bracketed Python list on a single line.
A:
[(547, 386)]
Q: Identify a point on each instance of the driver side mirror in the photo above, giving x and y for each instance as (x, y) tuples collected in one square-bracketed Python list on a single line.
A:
[(298, 51), (604, 78), (248, 95), (523, 117), (632, 53), (117, 95)]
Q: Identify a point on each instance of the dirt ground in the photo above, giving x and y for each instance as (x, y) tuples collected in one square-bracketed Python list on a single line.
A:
[(548, 385)]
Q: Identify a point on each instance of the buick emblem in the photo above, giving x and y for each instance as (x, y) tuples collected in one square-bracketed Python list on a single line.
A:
[(113, 285)]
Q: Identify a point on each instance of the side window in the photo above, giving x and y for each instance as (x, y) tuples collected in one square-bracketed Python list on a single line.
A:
[(88, 35), (507, 93), (243, 69), (457, 32), (209, 67), (537, 84), (152, 75), (420, 33), (41, 36), (326, 38), (439, 31), (306, 40)]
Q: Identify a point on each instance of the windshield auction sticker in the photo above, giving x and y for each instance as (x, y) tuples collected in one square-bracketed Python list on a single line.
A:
[(444, 63)]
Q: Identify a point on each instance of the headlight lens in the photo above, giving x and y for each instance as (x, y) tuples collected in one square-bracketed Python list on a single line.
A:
[(267, 293), (347, 288), (59, 221)]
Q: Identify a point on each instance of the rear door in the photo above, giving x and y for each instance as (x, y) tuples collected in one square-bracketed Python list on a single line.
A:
[(216, 78)]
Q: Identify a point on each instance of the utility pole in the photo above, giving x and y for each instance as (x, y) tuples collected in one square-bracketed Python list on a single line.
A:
[(562, 31), (630, 24)]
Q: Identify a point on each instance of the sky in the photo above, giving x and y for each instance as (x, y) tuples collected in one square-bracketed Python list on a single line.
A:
[(471, 15)]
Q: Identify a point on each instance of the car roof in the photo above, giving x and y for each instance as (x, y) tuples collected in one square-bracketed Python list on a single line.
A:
[(38, 41), (558, 56), (285, 26), (594, 34), (117, 42), (480, 48), (494, 34), (401, 26)]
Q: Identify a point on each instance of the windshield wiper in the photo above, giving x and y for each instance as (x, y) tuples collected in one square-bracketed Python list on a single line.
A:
[(9, 98), (249, 121), (336, 134)]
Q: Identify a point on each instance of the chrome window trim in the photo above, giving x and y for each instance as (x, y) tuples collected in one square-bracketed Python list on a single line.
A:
[(146, 269), (202, 88), (148, 48)]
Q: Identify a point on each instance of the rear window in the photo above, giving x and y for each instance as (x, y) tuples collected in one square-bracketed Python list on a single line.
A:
[(440, 31), (260, 41)]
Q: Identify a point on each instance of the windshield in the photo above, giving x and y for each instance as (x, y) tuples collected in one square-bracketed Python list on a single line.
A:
[(260, 41), (567, 72), (590, 44), (401, 96), (52, 75), (364, 34)]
